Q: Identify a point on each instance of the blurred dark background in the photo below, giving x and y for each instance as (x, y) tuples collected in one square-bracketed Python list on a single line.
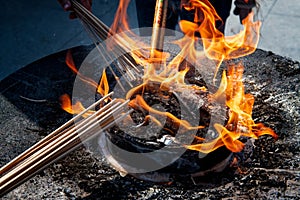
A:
[(30, 30)]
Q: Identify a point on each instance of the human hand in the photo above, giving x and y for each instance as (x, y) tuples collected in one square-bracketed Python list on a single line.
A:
[(243, 8), (67, 6)]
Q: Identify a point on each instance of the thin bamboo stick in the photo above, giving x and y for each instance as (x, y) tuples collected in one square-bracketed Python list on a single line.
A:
[(51, 145), (100, 30), (46, 140), (58, 144)]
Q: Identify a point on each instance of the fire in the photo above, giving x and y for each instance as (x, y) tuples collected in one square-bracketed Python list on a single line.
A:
[(102, 88), (71, 64), (139, 101), (216, 46), (159, 69), (240, 122), (73, 109)]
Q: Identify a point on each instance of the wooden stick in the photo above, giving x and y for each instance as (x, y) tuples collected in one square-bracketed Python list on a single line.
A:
[(159, 23)]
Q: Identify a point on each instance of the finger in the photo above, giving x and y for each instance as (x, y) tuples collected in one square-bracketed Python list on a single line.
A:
[(66, 4), (72, 15), (87, 4)]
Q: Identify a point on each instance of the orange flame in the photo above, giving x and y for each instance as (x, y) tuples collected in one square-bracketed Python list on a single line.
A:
[(216, 46), (140, 102), (73, 109), (167, 73), (103, 87), (120, 22), (240, 122), (70, 63)]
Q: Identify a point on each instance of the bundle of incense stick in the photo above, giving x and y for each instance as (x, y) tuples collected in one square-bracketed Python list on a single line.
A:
[(98, 32), (63, 140)]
